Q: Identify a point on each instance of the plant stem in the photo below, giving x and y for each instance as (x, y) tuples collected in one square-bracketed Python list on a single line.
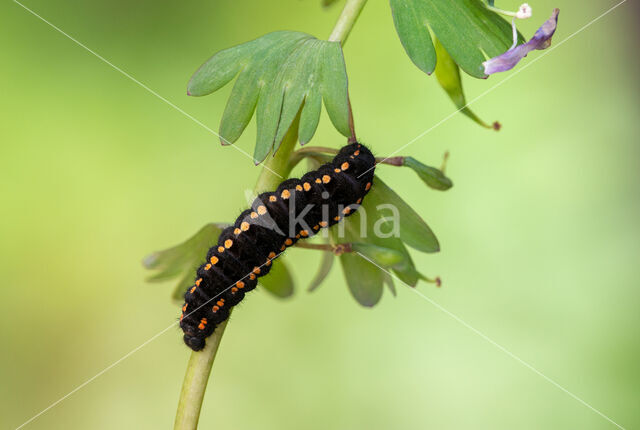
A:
[(200, 363), (275, 169), (346, 20), (195, 381)]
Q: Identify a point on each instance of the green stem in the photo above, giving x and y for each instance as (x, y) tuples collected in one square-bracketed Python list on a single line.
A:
[(195, 381), (275, 169), (199, 368), (346, 20), (309, 151)]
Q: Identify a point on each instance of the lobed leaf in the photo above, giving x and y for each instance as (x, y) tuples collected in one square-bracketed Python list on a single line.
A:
[(182, 260), (280, 75), (469, 32), (171, 261)]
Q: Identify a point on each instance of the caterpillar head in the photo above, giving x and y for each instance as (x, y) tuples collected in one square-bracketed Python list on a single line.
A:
[(193, 342)]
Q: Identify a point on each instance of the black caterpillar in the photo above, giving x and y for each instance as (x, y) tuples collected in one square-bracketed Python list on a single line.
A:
[(276, 220)]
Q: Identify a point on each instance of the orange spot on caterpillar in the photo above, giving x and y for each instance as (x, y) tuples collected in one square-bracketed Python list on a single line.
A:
[(352, 157), (244, 226), (337, 170), (283, 247), (344, 166), (288, 242), (337, 218), (228, 243), (297, 236), (237, 231), (318, 181), (262, 210), (346, 210), (220, 303), (357, 152), (326, 179), (256, 270), (215, 308), (208, 266), (181, 317), (221, 249), (323, 223), (285, 194), (254, 215), (267, 263), (272, 255), (201, 326), (306, 186), (214, 260), (192, 290), (304, 233), (272, 198), (203, 323), (359, 201), (298, 188), (198, 282), (234, 290), (316, 227), (252, 276), (240, 284), (368, 186), (184, 308)]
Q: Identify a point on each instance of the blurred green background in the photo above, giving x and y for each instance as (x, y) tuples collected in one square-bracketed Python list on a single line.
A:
[(540, 234)]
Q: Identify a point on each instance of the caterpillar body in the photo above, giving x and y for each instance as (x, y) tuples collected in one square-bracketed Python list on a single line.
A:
[(297, 209)]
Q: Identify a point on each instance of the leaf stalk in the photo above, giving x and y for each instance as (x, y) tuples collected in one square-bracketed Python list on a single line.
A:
[(346, 20)]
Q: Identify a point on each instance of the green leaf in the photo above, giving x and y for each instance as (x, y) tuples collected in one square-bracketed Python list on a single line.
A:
[(279, 281), (434, 178), (414, 34), (413, 230), (381, 252), (385, 257), (467, 29), (388, 280), (448, 74), (185, 282), (182, 260), (174, 259), (279, 75), (334, 87), (363, 278), (326, 263)]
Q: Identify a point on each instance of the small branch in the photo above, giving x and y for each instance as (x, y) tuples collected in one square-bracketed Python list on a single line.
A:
[(309, 151), (337, 249), (195, 381), (445, 158), (200, 363), (392, 161), (346, 20)]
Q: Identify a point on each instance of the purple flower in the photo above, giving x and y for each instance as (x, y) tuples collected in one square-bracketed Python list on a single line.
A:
[(540, 40)]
